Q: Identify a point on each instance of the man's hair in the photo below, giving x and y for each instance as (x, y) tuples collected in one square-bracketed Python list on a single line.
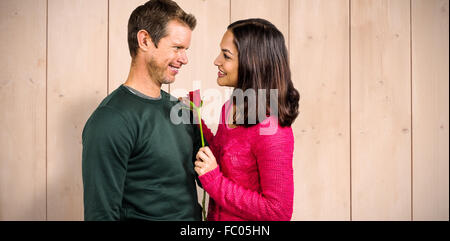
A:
[(153, 17)]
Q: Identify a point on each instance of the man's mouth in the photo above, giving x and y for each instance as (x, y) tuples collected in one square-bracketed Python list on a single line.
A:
[(174, 69)]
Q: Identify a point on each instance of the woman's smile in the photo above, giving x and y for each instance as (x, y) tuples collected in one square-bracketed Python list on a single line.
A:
[(221, 74)]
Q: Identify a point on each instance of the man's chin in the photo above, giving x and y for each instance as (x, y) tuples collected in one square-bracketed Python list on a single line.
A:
[(168, 81)]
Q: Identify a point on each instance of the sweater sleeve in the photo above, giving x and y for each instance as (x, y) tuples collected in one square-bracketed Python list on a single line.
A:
[(107, 145), (274, 202)]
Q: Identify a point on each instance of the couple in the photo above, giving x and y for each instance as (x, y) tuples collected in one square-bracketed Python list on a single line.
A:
[(138, 164)]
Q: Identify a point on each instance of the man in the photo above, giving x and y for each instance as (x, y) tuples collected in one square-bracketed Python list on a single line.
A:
[(137, 164)]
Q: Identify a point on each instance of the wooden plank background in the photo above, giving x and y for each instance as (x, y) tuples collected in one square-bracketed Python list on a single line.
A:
[(380, 110), (371, 140), (430, 60), (77, 82), (23, 110), (319, 36)]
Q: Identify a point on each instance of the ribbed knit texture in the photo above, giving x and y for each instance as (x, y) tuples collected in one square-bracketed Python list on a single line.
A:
[(254, 178)]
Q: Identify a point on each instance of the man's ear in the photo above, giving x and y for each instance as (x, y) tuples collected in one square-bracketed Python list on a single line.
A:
[(144, 40)]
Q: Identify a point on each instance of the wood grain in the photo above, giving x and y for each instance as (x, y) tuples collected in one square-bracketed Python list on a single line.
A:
[(320, 70), (380, 110), (430, 61), (276, 11), (23, 113), (77, 82)]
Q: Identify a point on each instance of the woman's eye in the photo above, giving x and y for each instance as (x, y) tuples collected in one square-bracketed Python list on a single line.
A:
[(226, 57)]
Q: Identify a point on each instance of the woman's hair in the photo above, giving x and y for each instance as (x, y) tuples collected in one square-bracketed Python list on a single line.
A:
[(263, 65)]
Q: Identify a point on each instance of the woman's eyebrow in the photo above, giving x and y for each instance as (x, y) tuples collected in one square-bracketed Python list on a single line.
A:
[(226, 50)]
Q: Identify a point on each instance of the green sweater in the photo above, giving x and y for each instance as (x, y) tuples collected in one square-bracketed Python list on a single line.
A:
[(137, 164)]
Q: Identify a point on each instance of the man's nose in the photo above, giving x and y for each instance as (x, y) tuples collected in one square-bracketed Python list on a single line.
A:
[(183, 59)]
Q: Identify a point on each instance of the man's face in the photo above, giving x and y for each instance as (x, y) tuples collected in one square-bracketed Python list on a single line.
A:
[(165, 61)]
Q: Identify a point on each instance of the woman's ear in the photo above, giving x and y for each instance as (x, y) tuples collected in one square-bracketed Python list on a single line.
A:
[(144, 40)]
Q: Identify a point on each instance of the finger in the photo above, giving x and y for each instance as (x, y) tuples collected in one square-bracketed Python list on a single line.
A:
[(208, 152), (199, 164), (199, 150), (198, 153), (202, 156), (198, 171), (184, 100)]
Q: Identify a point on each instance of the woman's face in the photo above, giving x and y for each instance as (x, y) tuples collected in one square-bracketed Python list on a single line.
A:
[(227, 62)]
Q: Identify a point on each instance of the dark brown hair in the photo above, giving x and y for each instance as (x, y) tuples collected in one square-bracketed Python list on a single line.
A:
[(153, 17), (264, 64)]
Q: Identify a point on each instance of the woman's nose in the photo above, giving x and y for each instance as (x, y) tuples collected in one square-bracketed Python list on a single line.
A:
[(217, 61)]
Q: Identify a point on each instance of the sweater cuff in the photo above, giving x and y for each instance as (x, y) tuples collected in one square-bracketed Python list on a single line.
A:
[(209, 178)]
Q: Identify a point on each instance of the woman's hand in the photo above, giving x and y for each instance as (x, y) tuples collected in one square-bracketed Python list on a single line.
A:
[(185, 101), (205, 162)]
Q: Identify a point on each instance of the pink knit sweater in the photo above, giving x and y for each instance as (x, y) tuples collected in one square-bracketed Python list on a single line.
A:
[(254, 177)]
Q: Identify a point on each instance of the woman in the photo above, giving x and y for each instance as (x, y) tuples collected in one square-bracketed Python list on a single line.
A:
[(247, 172)]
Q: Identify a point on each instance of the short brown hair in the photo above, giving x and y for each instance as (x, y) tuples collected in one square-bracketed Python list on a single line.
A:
[(153, 17)]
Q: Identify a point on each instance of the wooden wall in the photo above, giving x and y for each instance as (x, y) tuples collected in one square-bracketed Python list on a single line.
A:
[(371, 140), (23, 110)]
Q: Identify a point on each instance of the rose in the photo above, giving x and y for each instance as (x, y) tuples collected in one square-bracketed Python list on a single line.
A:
[(194, 97), (195, 101)]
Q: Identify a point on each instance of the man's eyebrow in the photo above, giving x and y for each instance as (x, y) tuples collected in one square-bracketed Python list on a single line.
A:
[(181, 46), (226, 50), (178, 44)]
